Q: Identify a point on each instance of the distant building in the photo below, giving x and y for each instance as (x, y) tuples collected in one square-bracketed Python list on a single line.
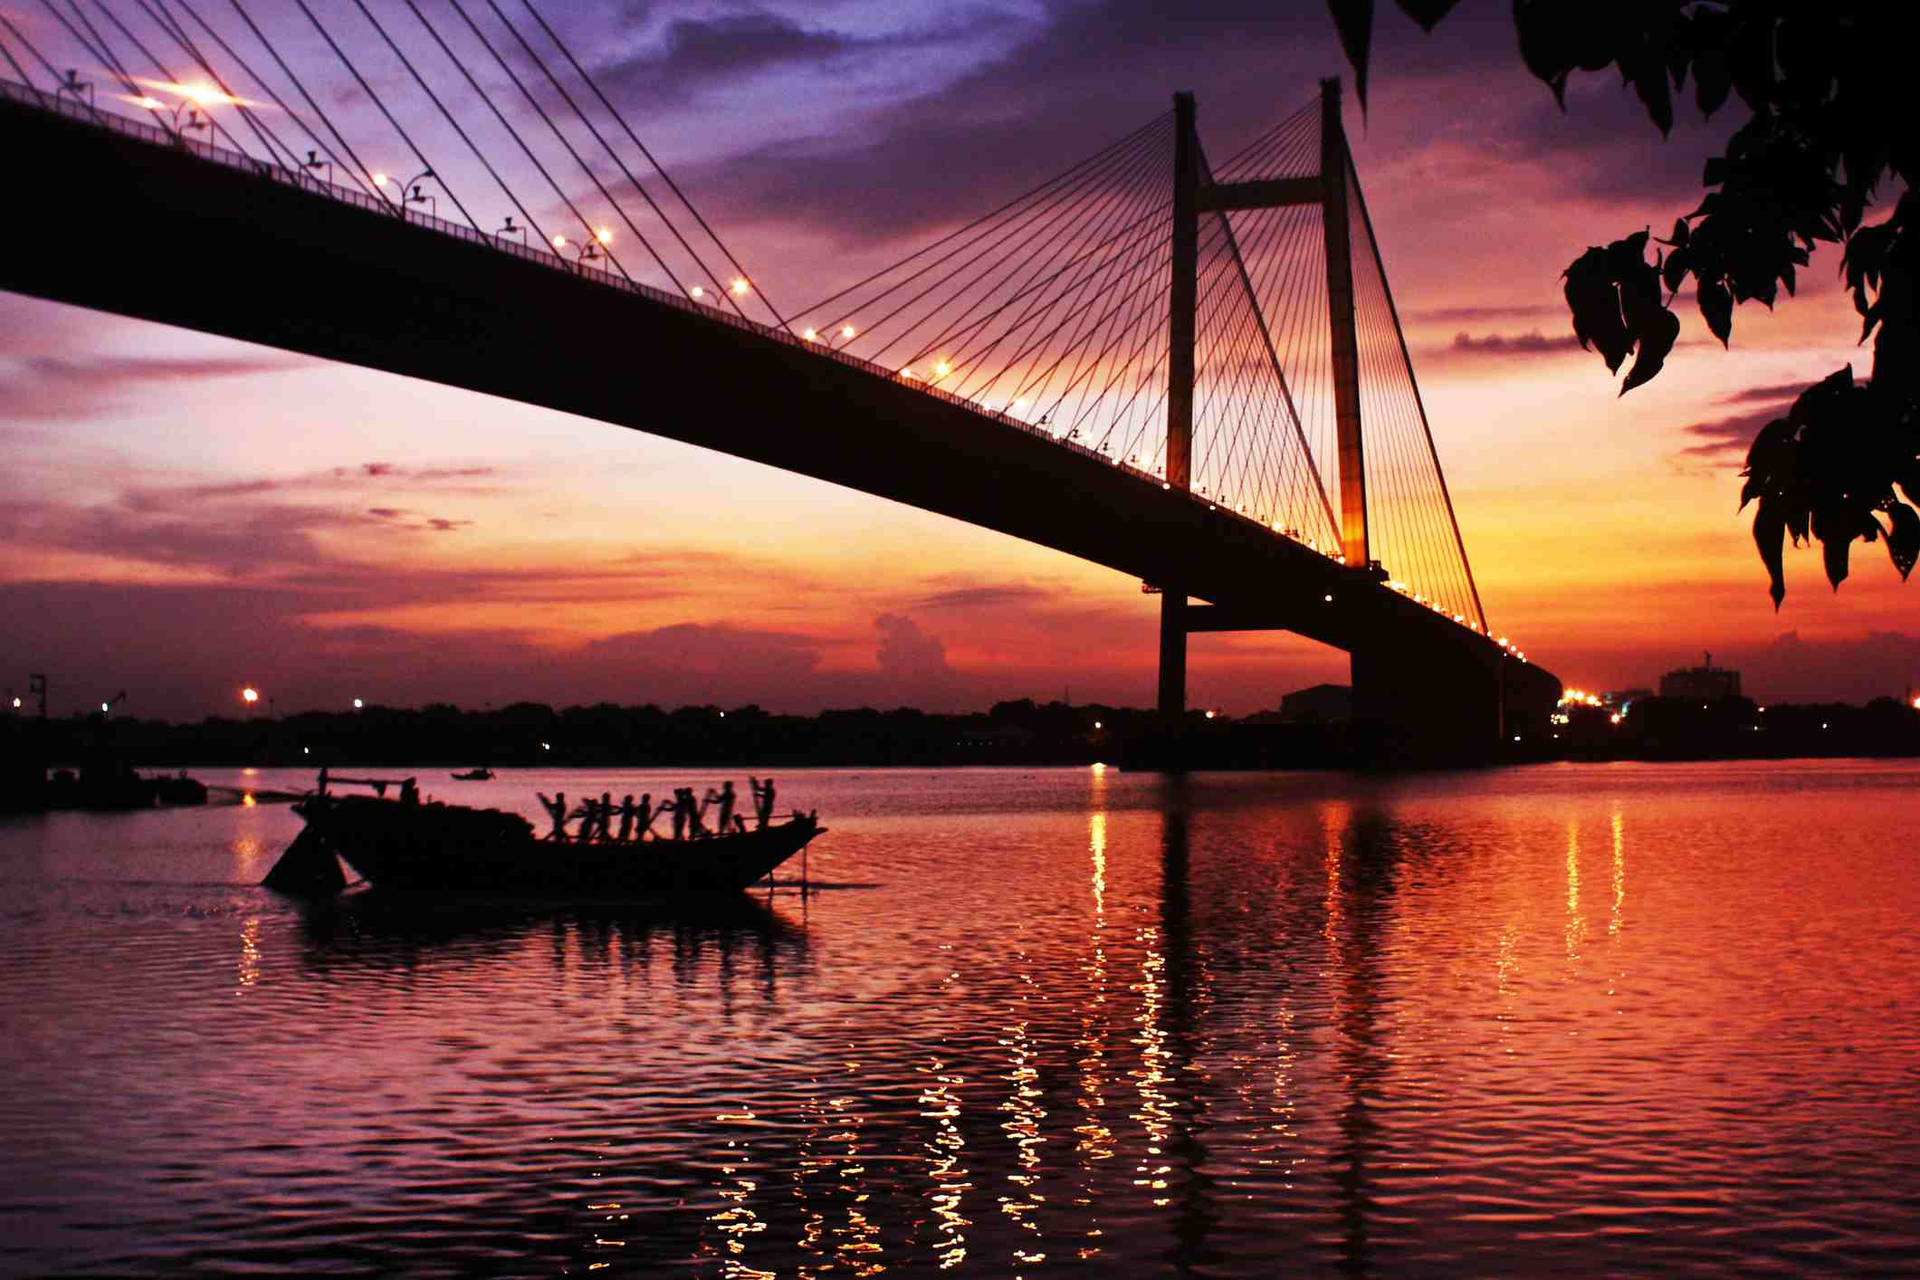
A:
[(1704, 683), (1320, 704)]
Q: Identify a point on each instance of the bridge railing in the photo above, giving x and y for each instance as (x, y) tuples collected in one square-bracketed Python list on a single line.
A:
[(306, 180)]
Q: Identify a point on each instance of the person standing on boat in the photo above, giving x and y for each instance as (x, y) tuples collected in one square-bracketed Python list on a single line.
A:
[(644, 816), (626, 818), (603, 827), (727, 798), (682, 810), (557, 810), (410, 791), (762, 801), (696, 813)]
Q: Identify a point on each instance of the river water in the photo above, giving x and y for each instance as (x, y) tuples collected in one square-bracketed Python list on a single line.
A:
[(1558, 1020)]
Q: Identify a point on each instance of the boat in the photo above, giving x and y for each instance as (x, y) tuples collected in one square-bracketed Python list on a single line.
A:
[(394, 844), (482, 774)]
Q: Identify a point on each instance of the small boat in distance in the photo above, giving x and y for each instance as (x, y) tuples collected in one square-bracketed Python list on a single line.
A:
[(406, 844), (482, 774)]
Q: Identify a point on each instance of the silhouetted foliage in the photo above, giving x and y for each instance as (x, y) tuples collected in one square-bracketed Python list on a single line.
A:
[(1832, 118)]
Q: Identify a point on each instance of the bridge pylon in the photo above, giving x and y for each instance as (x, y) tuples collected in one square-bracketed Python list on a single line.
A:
[(1195, 193)]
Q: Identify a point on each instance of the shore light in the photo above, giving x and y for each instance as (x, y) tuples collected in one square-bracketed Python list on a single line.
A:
[(359, 703), (249, 695), (16, 704), (106, 706)]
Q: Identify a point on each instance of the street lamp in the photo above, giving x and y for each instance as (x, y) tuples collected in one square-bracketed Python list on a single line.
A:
[(410, 192), (585, 250), (191, 106), (82, 90), (359, 704), (512, 228), (313, 161)]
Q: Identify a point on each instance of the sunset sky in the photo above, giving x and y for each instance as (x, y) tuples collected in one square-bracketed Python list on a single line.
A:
[(184, 514)]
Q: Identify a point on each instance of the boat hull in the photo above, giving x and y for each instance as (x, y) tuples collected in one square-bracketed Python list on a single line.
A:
[(455, 849)]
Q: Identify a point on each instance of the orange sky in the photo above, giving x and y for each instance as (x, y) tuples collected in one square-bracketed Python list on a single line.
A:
[(185, 514)]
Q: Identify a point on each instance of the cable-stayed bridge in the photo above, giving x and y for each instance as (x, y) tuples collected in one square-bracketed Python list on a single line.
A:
[(1188, 372)]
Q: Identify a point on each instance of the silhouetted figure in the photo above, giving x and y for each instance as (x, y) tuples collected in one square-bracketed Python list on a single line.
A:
[(320, 789), (726, 797), (603, 824), (739, 825), (410, 792), (696, 813), (682, 810), (644, 817), (557, 810), (762, 801), (587, 811), (626, 818)]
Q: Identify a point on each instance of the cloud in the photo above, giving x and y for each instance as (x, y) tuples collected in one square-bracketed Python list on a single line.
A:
[(694, 55), (67, 389), (1502, 345), (984, 597), (906, 652), (1724, 440)]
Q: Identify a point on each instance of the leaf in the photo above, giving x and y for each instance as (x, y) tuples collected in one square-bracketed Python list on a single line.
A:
[(1834, 551), (1716, 308), (1595, 303), (1354, 21), (1674, 269), (1903, 540), (1711, 81), (1427, 12), (1769, 531), (1656, 340)]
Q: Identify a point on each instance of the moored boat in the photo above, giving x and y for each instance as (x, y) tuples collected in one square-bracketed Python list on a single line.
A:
[(482, 774), (399, 845)]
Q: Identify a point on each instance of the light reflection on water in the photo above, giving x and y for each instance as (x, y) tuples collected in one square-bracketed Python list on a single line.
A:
[(1069, 1019)]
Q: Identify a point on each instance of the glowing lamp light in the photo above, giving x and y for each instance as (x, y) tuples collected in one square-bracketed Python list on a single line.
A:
[(560, 242), (1210, 715), (16, 704), (381, 180), (740, 287), (1019, 406), (359, 703), (1328, 599), (106, 706), (1916, 704), (809, 335), (148, 102), (1096, 724), (202, 95), (604, 235), (907, 372), (249, 695), (941, 369), (846, 331)]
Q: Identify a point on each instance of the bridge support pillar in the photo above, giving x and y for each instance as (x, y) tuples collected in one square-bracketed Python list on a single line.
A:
[(1173, 655), (1182, 308), (1422, 704)]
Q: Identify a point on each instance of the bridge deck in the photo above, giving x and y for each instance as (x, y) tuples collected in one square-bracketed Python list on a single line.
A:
[(188, 235)]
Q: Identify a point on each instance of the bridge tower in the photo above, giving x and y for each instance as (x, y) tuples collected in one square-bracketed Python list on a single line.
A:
[(1194, 193)]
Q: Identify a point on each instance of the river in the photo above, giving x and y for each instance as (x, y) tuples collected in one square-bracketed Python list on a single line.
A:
[(1550, 1020)]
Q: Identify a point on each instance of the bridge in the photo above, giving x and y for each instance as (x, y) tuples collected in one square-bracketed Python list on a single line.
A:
[(1191, 374)]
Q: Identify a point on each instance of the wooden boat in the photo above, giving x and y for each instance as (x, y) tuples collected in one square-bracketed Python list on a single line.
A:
[(451, 847), (482, 774)]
